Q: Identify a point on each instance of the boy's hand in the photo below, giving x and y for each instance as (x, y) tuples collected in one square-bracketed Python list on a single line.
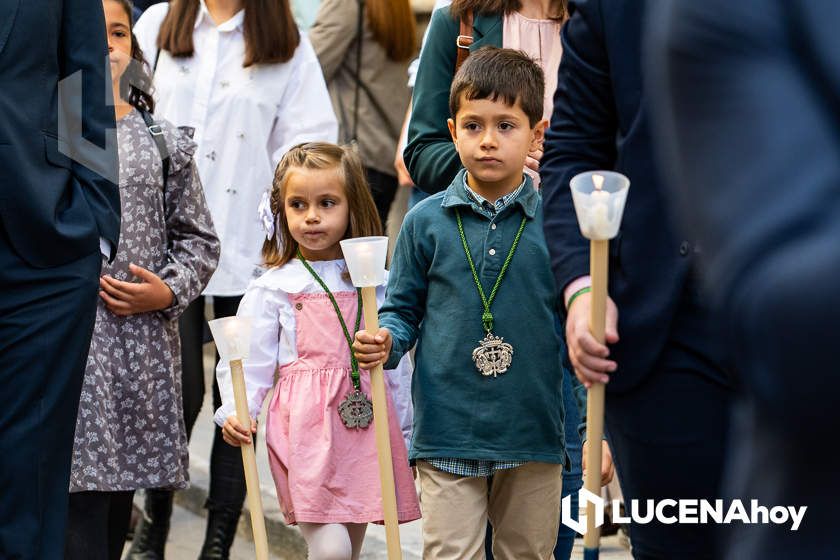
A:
[(607, 465), (128, 298), (588, 356), (235, 434), (372, 349)]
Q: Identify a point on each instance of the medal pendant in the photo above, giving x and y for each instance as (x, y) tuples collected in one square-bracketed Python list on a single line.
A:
[(356, 410), (493, 355)]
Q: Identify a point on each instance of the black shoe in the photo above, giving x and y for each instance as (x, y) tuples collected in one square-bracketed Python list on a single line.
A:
[(221, 529), (149, 540)]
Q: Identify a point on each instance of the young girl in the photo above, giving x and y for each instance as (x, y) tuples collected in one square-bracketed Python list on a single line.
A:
[(305, 311), (130, 429), (248, 81)]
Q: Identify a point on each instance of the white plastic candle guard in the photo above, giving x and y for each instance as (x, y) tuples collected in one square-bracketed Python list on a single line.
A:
[(232, 336), (365, 257), (599, 198)]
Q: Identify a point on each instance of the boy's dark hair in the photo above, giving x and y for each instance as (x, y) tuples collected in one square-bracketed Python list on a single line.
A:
[(494, 73)]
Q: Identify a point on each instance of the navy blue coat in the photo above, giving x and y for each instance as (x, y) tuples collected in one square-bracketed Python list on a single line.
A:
[(53, 209), (749, 103), (600, 121)]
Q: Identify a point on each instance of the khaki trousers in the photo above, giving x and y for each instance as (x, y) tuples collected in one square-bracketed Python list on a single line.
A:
[(522, 505)]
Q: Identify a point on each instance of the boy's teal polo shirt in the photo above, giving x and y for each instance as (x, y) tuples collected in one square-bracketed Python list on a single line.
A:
[(432, 299)]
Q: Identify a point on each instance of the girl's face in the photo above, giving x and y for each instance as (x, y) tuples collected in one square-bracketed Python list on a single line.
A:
[(118, 25), (317, 212)]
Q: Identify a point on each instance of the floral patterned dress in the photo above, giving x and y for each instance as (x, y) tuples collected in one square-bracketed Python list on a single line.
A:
[(130, 430)]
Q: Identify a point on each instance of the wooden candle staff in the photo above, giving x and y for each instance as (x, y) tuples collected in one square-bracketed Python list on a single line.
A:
[(365, 257), (232, 336), (599, 198)]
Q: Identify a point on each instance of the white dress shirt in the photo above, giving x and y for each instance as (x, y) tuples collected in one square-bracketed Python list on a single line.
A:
[(245, 119), (273, 337)]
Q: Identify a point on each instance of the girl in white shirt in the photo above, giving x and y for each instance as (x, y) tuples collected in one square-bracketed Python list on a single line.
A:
[(241, 74)]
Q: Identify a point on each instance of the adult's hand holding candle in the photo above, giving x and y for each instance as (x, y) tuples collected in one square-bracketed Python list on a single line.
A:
[(594, 194)]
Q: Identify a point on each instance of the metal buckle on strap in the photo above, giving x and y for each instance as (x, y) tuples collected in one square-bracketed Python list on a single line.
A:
[(156, 130), (464, 41)]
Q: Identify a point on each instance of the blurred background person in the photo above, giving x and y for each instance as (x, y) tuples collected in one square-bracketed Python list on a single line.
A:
[(364, 49), (668, 388), (244, 78), (746, 99), (58, 220), (403, 177)]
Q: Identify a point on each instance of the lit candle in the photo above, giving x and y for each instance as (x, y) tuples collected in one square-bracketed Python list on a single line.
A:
[(599, 206), (599, 221)]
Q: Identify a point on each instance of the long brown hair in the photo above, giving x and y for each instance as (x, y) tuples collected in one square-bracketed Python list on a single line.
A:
[(271, 35), (503, 7), (393, 26), (364, 219), (136, 82)]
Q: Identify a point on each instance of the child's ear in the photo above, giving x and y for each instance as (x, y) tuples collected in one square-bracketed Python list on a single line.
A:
[(452, 132), (538, 134)]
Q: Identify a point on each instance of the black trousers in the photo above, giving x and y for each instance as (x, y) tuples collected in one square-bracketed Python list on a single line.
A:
[(669, 435), (97, 523), (46, 321), (227, 477), (383, 187)]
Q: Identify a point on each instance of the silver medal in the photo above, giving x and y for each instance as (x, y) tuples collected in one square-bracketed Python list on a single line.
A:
[(493, 355), (356, 410)]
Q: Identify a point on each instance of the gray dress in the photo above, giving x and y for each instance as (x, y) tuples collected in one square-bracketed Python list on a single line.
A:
[(130, 430)]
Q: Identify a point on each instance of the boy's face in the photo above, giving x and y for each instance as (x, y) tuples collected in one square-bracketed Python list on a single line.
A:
[(493, 139)]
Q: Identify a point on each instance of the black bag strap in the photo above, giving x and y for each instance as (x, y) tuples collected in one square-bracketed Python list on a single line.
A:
[(157, 135), (359, 36)]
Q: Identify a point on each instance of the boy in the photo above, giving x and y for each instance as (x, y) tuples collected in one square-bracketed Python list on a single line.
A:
[(487, 386)]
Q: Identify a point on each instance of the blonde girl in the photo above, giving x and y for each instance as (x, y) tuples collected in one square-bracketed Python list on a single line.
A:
[(305, 312)]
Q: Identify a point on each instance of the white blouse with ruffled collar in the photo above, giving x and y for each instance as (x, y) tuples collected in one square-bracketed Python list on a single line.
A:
[(273, 339)]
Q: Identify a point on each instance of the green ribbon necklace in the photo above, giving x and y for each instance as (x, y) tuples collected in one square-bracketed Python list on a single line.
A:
[(493, 355), (356, 410)]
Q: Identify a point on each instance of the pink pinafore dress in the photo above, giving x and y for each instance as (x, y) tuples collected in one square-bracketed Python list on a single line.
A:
[(325, 472)]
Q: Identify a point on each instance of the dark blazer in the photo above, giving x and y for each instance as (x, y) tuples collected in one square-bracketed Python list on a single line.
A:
[(747, 96), (600, 121), (53, 209), (430, 154)]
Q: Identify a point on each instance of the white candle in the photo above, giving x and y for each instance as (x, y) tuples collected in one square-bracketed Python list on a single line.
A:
[(599, 221), (599, 206), (599, 197)]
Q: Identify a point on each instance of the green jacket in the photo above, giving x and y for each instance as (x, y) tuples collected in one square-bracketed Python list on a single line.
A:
[(432, 300), (430, 154)]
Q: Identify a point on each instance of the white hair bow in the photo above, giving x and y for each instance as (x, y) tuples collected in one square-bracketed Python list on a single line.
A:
[(267, 218)]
